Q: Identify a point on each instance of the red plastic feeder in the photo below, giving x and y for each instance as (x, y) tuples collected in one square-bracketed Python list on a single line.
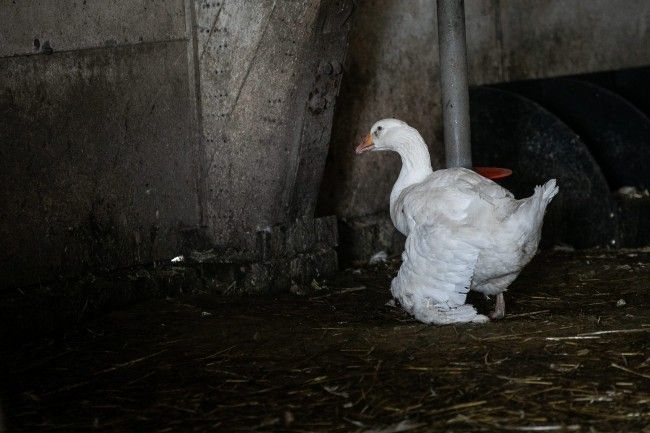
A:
[(493, 173)]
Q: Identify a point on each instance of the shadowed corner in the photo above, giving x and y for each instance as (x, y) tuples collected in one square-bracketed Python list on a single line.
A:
[(2, 422)]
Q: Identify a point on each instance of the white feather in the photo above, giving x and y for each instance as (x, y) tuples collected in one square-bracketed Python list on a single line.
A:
[(463, 231)]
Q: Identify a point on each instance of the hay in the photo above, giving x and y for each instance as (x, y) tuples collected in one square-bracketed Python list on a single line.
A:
[(565, 359)]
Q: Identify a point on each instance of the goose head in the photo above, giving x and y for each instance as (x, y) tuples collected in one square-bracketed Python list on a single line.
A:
[(387, 134), (398, 136)]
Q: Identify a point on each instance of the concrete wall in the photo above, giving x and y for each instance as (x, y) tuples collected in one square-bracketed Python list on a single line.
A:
[(392, 71), (129, 126), (98, 159), (269, 73), (67, 25), (133, 129)]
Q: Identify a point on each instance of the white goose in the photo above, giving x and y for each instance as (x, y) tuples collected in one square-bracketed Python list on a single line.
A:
[(463, 230)]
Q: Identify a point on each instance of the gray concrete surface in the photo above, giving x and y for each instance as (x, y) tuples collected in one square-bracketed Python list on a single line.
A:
[(97, 163), (78, 24), (559, 37), (135, 129), (269, 74)]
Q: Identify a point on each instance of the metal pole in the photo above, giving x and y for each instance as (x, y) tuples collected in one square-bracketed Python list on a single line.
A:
[(453, 81)]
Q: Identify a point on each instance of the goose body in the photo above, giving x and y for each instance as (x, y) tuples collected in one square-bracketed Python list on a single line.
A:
[(463, 231)]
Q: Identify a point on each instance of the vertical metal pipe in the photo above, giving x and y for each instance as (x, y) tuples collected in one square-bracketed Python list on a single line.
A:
[(453, 81)]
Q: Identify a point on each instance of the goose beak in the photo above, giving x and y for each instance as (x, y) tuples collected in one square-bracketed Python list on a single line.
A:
[(365, 145)]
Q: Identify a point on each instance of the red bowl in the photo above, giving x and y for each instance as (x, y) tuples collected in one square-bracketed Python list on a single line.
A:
[(493, 172)]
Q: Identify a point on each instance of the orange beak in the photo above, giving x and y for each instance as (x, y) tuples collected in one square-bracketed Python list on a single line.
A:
[(365, 145)]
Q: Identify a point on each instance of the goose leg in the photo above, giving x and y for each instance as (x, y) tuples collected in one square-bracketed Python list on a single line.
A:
[(499, 308)]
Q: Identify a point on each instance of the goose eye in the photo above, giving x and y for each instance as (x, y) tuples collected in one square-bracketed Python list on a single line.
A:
[(379, 128)]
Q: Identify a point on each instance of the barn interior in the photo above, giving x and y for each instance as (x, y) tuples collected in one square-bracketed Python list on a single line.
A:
[(191, 244)]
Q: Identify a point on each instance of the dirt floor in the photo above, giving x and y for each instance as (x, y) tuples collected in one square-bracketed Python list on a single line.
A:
[(573, 354)]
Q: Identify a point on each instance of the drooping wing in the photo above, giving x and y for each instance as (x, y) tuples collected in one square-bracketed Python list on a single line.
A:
[(438, 265)]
